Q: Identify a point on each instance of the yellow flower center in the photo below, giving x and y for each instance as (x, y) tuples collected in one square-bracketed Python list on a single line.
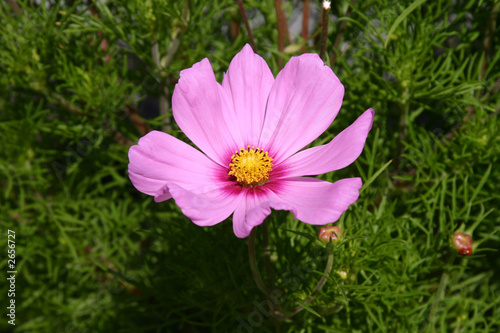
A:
[(250, 166)]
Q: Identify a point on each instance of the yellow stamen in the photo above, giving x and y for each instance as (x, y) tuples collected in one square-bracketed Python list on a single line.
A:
[(250, 166)]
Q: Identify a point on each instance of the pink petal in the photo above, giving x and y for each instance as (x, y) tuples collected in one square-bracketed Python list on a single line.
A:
[(344, 149), (303, 102), (248, 82), (206, 205), (315, 201), (160, 158), (204, 112), (251, 211)]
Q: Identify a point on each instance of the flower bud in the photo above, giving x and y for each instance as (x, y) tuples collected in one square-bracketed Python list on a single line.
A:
[(463, 243), (342, 274), (328, 233)]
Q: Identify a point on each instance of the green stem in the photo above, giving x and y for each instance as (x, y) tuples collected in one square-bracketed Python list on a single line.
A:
[(402, 129), (439, 292), (321, 283), (267, 251), (253, 264)]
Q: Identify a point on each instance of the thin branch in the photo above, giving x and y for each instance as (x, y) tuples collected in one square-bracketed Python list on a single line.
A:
[(15, 6), (305, 23), (247, 26), (285, 25), (319, 286), (234, 27), (324, 29), (61, 101), (138, 122), (282, 30), (122, 139)]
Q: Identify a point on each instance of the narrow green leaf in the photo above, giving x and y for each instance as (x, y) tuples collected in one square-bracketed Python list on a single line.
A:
[(400, 19), (308, 308), (372, 178)]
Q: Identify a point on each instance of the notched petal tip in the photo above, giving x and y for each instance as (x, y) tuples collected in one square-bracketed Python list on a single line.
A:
[(343, 150), (202, 65)]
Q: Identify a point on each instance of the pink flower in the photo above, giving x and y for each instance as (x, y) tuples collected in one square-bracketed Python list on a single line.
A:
[(250, 131)]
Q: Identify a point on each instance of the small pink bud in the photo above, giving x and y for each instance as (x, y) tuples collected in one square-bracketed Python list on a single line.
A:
[(329, 232), (342, 274), (104, 45), (463, 243)]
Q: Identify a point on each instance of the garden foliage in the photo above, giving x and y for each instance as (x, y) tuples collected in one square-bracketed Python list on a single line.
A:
[(82, 81)]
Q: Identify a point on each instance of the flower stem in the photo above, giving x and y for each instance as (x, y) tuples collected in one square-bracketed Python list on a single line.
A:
[(265, 246), (402, 128), (305, 23), (282, 30), (15, 6), (253, 264), (324, 33), (247, 26), (440, 292), (321, 282)]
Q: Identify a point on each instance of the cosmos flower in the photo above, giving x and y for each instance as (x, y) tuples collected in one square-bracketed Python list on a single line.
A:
[(250, 132)]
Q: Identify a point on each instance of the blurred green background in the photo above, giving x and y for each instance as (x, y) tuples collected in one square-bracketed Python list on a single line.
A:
[(82, 81)]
